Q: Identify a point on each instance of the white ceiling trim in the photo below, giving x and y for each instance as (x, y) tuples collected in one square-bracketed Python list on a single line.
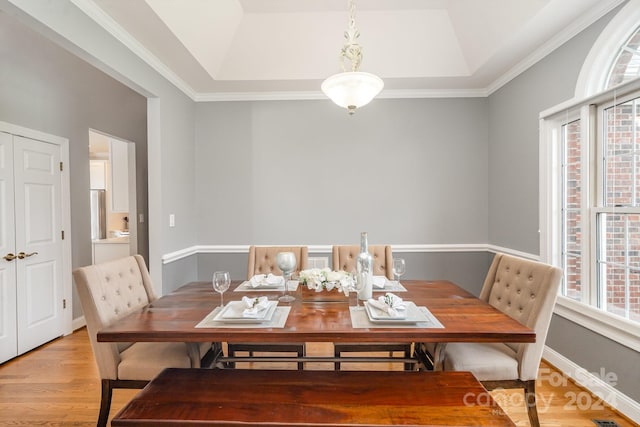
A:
[(112, 27), (314, 95), (557, 41), (94, 12)]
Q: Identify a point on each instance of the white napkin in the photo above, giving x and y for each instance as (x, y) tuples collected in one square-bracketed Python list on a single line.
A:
[(389, 303), (379, 281), (254, 306), (265, 279)]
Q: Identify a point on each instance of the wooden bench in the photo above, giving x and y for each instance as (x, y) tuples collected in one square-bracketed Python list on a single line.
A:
[(212, 397)]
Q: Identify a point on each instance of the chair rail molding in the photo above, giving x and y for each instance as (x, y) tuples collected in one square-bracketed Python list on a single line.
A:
[(326, 249)]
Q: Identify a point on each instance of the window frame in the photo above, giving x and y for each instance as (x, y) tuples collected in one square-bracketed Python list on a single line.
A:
[(585, 313)]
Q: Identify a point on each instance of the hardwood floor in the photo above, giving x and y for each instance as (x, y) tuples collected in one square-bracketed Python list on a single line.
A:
[(58, 385)]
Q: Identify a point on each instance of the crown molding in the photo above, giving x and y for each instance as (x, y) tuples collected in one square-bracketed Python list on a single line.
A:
[(558, 40), (318, 95), (92, 10)]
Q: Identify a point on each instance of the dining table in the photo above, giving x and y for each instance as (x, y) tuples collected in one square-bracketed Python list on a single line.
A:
[(457, 316)]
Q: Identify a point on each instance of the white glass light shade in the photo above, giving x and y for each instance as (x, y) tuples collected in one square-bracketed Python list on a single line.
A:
[(352, 89)]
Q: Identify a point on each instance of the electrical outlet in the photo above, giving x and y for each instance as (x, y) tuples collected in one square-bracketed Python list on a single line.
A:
[(172, 220)]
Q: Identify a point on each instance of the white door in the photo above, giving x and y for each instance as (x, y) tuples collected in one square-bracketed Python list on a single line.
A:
[(37, 224), (8, 329)]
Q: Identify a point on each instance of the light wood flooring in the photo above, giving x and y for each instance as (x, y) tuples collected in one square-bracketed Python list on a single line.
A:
[(58, 385)]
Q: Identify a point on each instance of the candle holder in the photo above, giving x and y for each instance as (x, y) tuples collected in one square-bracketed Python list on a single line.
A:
[(287, 263)]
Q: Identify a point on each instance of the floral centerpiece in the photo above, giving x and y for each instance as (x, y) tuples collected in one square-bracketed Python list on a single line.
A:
[(319, 280)]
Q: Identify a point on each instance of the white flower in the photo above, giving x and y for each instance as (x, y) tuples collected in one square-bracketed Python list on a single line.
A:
[(334, 276), (320, 280)]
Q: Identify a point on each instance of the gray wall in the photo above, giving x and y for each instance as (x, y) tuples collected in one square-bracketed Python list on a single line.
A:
[(466, 269), (468, 168), (514, 190), (305, 172), (170, 119), (43, 87)]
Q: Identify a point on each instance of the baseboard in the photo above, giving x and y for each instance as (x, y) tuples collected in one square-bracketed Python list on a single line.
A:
[(596, 385), (78, 323)]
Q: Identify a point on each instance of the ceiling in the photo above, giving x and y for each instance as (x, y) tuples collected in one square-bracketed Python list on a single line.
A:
[(283, 49)]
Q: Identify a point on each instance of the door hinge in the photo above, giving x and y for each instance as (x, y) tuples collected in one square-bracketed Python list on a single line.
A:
[(64, 303), (61, 167), (62, 233)]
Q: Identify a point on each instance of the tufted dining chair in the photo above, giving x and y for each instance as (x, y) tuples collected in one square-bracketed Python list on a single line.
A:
[(262, 260), (344, 258), (525, 290), (108, 292)]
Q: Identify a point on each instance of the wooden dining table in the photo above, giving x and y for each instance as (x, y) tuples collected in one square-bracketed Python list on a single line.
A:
[(174, 317)]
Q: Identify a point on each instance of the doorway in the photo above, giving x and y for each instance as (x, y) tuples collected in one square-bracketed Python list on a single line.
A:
[(113, 197), (35, 269)]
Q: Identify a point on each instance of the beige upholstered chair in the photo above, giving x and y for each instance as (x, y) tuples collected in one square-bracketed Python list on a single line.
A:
[(344, 258), (525, 290), (108, 292), (262, 260)]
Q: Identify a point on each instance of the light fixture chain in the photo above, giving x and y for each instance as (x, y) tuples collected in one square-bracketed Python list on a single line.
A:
[(351, 51)]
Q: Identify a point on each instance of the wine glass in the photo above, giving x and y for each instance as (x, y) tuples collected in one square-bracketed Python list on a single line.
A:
[(287, 263), (398, 268), (221, 282)]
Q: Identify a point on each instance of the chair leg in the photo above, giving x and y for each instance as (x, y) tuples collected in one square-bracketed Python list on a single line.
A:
[(336, 354), (530, 399), (105, 403)]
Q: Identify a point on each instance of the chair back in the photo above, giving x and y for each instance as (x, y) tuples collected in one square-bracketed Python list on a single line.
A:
[(108, 292), (262, 259), (527, 291), (344, 258)]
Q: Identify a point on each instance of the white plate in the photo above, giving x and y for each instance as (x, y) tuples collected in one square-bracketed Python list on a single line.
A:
[(232, 313), (266, 285), (412, 314)]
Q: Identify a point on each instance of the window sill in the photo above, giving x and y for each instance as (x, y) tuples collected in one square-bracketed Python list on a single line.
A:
[(608, 325)]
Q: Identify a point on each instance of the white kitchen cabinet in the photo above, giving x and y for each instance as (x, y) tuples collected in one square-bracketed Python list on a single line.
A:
[(110, 249), (118, 155), (98, 174)]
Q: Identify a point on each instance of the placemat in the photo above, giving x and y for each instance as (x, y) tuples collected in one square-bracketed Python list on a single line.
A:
[(359, 319), (277, 321), (246, 287), (391, 286)]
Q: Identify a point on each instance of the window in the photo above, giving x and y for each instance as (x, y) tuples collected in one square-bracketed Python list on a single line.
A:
[(599, 204), (627, 64), (590, 186), (618, 220)]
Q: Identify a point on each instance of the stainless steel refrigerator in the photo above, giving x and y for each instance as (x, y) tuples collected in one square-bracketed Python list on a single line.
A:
[(98, 214)]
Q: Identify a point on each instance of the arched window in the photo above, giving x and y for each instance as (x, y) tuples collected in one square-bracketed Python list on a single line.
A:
[(627, 64), (615, 56)]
